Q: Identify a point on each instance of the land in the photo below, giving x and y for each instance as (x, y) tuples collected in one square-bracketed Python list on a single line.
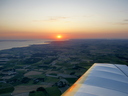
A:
[(49, 69)]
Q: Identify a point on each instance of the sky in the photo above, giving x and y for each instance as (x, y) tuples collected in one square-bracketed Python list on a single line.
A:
[(72, 19)]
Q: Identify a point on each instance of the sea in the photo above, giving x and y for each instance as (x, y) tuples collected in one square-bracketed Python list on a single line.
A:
[(8, 44)]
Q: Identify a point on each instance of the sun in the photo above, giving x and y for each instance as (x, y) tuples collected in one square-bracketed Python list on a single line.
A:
[(59, 36)]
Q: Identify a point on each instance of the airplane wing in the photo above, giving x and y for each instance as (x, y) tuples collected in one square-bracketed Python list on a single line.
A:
[(102, 79)]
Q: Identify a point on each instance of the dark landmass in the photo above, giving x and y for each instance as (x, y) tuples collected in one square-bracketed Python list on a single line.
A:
[(49, 69)]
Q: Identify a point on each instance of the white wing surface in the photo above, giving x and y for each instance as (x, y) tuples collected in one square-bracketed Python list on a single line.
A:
[(101, 79)]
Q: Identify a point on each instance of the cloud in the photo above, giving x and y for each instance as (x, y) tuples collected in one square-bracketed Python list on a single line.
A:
[(56, 18), (52, 19), (126, 20), (87, 16), (120, 23)]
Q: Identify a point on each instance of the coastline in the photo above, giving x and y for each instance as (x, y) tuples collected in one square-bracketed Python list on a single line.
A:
[(9, 44)]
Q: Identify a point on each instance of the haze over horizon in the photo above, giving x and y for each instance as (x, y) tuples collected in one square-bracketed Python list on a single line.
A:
[(45, 19)]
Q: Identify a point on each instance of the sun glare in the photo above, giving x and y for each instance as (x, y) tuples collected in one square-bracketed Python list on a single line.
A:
[(59, 36)]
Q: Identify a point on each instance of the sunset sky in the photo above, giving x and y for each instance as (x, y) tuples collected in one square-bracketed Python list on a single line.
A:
[(45, 19)]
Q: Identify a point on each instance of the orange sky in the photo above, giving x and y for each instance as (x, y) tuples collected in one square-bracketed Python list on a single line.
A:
[(78, 35), (44, 19)]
